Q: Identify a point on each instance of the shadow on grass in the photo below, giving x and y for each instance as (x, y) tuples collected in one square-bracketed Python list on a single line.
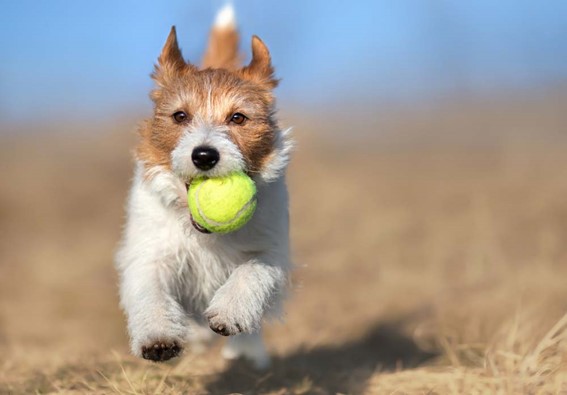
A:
[(343, 368)]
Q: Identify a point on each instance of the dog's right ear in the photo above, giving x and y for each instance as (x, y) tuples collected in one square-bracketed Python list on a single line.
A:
[(170, 61)]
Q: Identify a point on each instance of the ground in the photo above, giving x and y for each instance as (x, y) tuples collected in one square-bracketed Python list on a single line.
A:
[(430, 259)]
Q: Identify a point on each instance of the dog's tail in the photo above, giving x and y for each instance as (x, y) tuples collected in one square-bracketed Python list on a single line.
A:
[(222, 50)]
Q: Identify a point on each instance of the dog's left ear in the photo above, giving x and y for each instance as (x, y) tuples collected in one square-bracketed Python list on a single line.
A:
[(260, 68)]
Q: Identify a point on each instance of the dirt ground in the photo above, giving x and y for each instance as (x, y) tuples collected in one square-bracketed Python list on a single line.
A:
[(431, 259)]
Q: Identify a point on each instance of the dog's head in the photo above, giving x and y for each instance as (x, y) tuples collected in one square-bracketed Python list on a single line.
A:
[(213, 121)]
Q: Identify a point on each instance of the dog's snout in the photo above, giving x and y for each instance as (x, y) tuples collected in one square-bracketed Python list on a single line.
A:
[(205, 158)]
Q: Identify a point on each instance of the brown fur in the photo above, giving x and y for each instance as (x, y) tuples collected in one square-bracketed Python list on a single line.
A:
[(212, 95), (222, 50)]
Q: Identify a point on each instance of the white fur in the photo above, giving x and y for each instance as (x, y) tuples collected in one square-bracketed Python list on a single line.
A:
[(249, 346), (170, 273), (225, 17), (277, 164)]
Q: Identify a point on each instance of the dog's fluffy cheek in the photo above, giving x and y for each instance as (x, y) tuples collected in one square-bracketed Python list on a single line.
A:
[(276, 162), (156, 144), (255, 143), (181, 162)]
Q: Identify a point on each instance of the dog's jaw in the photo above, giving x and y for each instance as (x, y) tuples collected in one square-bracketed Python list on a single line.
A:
[(199, 227)]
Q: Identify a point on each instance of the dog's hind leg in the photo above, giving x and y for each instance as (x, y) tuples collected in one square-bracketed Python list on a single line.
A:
[(249, 346), (200, 336)]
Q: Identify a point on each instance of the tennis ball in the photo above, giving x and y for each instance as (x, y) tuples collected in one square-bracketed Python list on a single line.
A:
[(222, 204)]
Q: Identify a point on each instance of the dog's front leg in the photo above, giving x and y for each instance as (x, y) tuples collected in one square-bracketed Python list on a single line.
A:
[(157, 323), (238, 306)]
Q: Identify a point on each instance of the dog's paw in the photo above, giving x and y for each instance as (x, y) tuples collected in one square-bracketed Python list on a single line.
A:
[(227, 317), (222, 324), (160, 351)]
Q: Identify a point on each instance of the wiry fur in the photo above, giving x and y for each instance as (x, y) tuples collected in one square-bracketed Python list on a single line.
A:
[(171, 274)]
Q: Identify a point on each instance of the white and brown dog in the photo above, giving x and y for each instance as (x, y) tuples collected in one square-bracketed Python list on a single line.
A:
[(174, 279)]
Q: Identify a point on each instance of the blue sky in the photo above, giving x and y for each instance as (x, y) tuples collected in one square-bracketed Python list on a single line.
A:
[(91, 58)]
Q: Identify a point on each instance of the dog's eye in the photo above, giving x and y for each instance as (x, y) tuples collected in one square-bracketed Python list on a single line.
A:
[(238, 118), (180, 117)]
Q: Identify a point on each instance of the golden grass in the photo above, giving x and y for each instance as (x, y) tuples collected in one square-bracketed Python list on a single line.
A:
[(429, 262)]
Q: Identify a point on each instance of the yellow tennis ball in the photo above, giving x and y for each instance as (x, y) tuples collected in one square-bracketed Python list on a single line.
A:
[(222, 204)]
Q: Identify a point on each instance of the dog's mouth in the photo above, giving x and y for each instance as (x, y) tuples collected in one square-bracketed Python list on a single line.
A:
[(199, 227), (195, 224)]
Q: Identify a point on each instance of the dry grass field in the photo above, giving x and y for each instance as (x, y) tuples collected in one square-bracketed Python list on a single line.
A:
[(431, 259)]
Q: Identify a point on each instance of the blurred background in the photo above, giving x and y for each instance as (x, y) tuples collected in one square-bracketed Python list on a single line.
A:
[(429, 192), (72, 60)]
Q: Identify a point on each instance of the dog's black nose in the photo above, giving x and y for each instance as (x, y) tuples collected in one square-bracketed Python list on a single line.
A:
[(205, 158)]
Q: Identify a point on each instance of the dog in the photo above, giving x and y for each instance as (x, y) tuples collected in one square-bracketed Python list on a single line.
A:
[(176, 282)]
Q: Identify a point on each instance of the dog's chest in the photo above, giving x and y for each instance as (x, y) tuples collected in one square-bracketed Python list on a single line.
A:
[(206, 261)]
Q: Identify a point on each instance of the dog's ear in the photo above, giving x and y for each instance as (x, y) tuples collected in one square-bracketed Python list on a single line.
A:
[(260, 68), (171, 54), (170, 60)]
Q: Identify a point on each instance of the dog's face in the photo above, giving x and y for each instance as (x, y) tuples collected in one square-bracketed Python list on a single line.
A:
[(210, 122)]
